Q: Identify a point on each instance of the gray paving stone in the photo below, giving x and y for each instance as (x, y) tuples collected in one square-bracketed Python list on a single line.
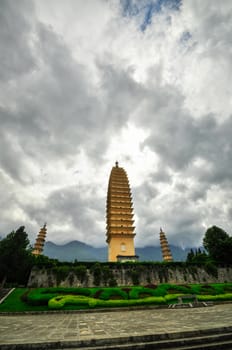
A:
[(32, 328)]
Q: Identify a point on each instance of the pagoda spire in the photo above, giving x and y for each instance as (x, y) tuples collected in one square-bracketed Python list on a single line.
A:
[(119, 217), (39, 244), (166, 252)]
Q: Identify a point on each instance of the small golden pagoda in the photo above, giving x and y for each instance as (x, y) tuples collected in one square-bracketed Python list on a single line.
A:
[(166, 252), (39, 244), (119, 217)]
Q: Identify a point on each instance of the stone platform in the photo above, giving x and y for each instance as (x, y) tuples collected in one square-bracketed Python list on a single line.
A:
[(87, 329)]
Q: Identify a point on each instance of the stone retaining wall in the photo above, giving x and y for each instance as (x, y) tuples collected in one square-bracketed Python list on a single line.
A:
[(129, 275)]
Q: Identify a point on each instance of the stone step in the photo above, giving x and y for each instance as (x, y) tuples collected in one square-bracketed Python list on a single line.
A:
[(219, 346), (220, 338), (181, 344)]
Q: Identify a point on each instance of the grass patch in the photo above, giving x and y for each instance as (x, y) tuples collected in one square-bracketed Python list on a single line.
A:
[(14, 303)]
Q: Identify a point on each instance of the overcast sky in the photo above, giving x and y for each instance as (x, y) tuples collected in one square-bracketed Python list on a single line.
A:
[(84, 83)]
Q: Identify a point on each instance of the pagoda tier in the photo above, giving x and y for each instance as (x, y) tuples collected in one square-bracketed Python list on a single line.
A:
[(119, 189), (39, 244), (166, 252), (128, 216), (118, 205), (118, 211), (120, 222), (119, 216)]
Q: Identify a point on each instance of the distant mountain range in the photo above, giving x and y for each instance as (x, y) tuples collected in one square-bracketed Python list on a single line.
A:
[(80, 251)]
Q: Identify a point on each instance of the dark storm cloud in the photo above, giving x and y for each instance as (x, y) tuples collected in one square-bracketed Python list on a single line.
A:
[(10, 158), (215, 146), (161, 175), (173, 132), (146, 190), (15, 39), (72, 206), (179, 139), (122, 94)]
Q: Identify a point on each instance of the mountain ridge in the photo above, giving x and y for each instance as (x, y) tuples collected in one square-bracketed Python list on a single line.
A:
[(80, 251)]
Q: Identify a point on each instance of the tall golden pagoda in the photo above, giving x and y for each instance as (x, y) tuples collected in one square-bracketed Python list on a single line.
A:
[(39, 244), (166, 252), (119, 217)]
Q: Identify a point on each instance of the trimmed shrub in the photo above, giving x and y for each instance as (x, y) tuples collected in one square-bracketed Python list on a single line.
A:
[(219, 297), (109, 293), (81, 301), (178, 288), (143, 292), (76, 298), (62, 300), (36, 297), (41, 296)]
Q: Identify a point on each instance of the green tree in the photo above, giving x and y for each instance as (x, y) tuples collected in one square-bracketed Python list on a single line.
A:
[(218, 244), (198, 256), (16, 259), (190, 256)]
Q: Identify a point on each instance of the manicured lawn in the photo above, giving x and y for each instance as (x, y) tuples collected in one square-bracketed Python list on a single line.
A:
[(44, 299), (14, 303)]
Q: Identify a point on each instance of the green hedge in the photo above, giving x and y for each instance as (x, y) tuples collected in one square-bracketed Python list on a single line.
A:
[(41, 296), (219, 297), (108, 293), (72, 302), (92, 297), (141, 292), (80, 301)]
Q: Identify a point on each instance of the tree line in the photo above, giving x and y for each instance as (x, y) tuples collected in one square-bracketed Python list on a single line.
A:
[(16, 258), (218, 248)]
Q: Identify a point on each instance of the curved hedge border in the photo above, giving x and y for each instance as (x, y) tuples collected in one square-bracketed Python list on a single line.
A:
[(61, 301), (57, 298)]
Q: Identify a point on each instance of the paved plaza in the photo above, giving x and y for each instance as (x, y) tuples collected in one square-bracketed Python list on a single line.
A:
[(36, 328)]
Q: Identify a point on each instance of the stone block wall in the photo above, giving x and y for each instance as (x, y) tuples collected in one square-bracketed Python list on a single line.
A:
[(127, 276)]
